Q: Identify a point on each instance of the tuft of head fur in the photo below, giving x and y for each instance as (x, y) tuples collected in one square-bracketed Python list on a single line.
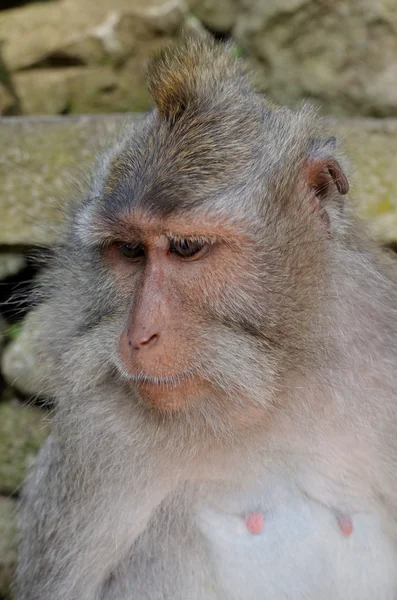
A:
[(185, 76)]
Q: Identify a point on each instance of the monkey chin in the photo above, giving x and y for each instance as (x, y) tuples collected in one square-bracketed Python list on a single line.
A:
[(171, 397)]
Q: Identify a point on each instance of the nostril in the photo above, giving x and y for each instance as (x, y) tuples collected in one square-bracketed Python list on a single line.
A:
[(151, 340), (146, 341)]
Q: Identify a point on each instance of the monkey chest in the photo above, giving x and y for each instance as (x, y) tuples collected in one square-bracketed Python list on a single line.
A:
[(298, 550)]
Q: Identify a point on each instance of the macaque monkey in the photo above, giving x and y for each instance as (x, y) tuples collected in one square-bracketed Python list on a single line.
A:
[(223, 344)]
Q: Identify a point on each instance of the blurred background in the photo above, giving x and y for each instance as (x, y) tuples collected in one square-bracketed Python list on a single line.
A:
[(72, 72), (88, 56)]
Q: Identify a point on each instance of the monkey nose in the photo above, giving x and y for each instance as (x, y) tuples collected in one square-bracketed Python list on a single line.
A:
[(132, 348)]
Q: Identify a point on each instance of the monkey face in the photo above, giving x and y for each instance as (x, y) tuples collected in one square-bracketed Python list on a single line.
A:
[(206, 301), (176, 278)]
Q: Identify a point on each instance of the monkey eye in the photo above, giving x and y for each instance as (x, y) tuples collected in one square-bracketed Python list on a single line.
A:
[(188, 249), (131, 251)]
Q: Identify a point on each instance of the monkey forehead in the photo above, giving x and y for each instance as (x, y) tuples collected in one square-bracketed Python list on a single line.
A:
[(221, 161), (221, 211), (163, 168)]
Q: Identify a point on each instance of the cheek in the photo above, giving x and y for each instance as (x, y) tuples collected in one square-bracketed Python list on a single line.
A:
[(236, 296), (216, 282)]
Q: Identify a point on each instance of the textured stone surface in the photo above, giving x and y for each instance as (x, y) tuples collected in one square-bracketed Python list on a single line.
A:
[(73, 56), (20, 366), (22, 431), (341, 53), (9, 101), (8, 552), (81, 31), (41, 158), (371, 146), (79, 56), (218, 15), (91, 89), (40, 162)]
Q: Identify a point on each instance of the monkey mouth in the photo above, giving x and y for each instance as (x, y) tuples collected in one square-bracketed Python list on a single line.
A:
[(157, 381)]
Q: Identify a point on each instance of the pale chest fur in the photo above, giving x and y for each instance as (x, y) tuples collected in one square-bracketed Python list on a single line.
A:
[(299, 551)]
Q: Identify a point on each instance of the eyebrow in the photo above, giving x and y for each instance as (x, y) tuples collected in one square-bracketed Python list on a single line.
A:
[(105, 227), (175, 237)]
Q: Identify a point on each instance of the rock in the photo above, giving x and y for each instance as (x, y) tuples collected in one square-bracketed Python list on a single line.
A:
[(8, 550), (217, 15), (72, 89), (342, 54), (22, 432), (11, 263), (34, 185), (99, 90), (368, 143), (20, 366), (82, 32), (9, 101), (79, 56)]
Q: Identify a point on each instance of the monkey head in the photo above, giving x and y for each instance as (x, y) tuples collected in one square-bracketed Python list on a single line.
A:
[(197, 266)]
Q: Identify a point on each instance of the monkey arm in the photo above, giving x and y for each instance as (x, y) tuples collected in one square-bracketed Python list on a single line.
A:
[(76, 523)]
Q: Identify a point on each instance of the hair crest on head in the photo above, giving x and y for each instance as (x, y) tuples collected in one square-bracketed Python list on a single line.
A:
[(191, 74)]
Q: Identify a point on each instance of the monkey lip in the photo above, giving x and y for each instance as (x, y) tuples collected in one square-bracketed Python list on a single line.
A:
[(154, 381), (168, 393)]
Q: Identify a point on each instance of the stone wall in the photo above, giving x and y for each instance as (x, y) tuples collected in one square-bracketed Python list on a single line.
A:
[(77, 56)]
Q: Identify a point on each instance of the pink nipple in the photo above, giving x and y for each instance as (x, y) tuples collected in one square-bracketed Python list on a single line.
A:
[(345, 525), (255, 522)]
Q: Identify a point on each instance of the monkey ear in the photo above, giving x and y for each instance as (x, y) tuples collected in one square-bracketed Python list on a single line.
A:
[(325, 175), (324, 169)]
